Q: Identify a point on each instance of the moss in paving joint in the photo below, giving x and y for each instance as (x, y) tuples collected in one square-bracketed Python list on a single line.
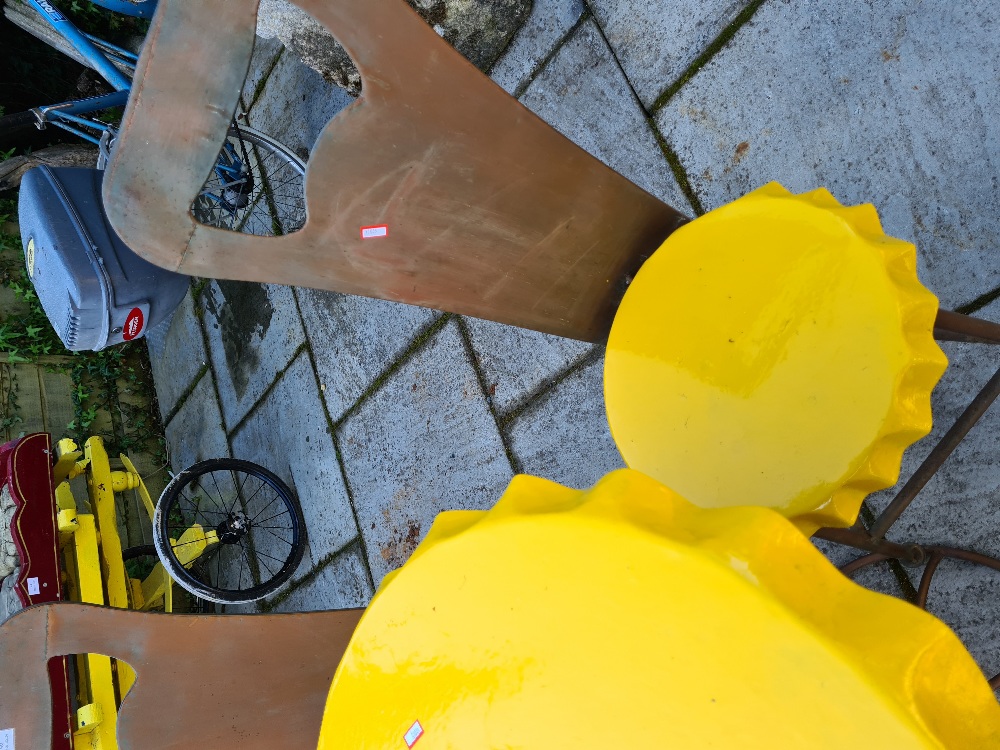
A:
[(979, 302), (200, 315), (680, 174), (519, 91), (470, 352), (259, 88), (268, 605), (510, 40), (267, 391), (742, 18), (197, 287), (418, 342), (354, 508), (330, 426), (536, 396), (331, 429), (186, 394)]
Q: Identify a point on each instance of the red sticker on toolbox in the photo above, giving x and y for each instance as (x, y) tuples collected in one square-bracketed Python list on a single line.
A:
[(133, 324), (378, 230)]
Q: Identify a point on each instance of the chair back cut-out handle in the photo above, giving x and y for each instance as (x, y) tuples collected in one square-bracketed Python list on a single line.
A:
[(489, 211), (257, 681)]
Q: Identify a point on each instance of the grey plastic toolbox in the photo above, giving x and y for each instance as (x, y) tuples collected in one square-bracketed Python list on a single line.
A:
[(95, 291)]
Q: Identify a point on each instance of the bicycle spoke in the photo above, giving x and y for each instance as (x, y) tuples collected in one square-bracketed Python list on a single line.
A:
[(276, 497), (281, 538), (279, 515)]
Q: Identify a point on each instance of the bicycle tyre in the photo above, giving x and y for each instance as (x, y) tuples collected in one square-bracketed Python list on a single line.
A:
[(196, 604), (267, 197), (224, 494), (16, 122)]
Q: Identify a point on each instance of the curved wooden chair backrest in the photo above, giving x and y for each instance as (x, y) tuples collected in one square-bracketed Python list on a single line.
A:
[(489, 211), (252, 681)]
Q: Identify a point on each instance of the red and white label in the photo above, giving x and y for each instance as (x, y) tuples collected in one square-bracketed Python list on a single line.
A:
[(414, 733), (133, 324), (378, 230)]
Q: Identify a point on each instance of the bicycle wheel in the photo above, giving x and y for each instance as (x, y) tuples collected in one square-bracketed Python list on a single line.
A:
[(139, 563), (257, 186), (249, 520)]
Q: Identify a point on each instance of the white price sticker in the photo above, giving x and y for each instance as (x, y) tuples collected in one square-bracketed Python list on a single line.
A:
[(379, 230), (33, 589), (6, 739), (414, 733)]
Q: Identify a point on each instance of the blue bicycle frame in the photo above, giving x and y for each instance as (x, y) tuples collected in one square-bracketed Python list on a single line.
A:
[(101, 56), (231, 170)]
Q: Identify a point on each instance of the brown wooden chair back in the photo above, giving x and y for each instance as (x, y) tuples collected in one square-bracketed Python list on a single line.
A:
[(249, 681), (489, 211)]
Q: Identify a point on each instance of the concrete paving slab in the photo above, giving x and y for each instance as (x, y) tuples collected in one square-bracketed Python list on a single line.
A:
[(657, 42), (423, 443), (262, 62), (516, 362), (295, 104), (878, 102), (253, 332), (196, 431), (548, 23), (288, 434), (564, 435), (176, 354), (967, 597), (354, 340), (584, 95), (341, 584)]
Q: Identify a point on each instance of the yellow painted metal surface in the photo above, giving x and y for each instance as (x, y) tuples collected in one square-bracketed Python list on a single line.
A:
[(778, 352), (625, 617)]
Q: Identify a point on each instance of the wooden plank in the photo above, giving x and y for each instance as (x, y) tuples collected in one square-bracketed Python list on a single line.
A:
[(489, 211), (263, 683)]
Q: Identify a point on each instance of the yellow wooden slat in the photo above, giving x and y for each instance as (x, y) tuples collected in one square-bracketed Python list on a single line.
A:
[(102, 499), (102, 693), (88, 585), (85, 585)]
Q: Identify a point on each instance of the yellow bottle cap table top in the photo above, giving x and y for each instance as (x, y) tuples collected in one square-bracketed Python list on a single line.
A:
[(625, 617), (777, 351)]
